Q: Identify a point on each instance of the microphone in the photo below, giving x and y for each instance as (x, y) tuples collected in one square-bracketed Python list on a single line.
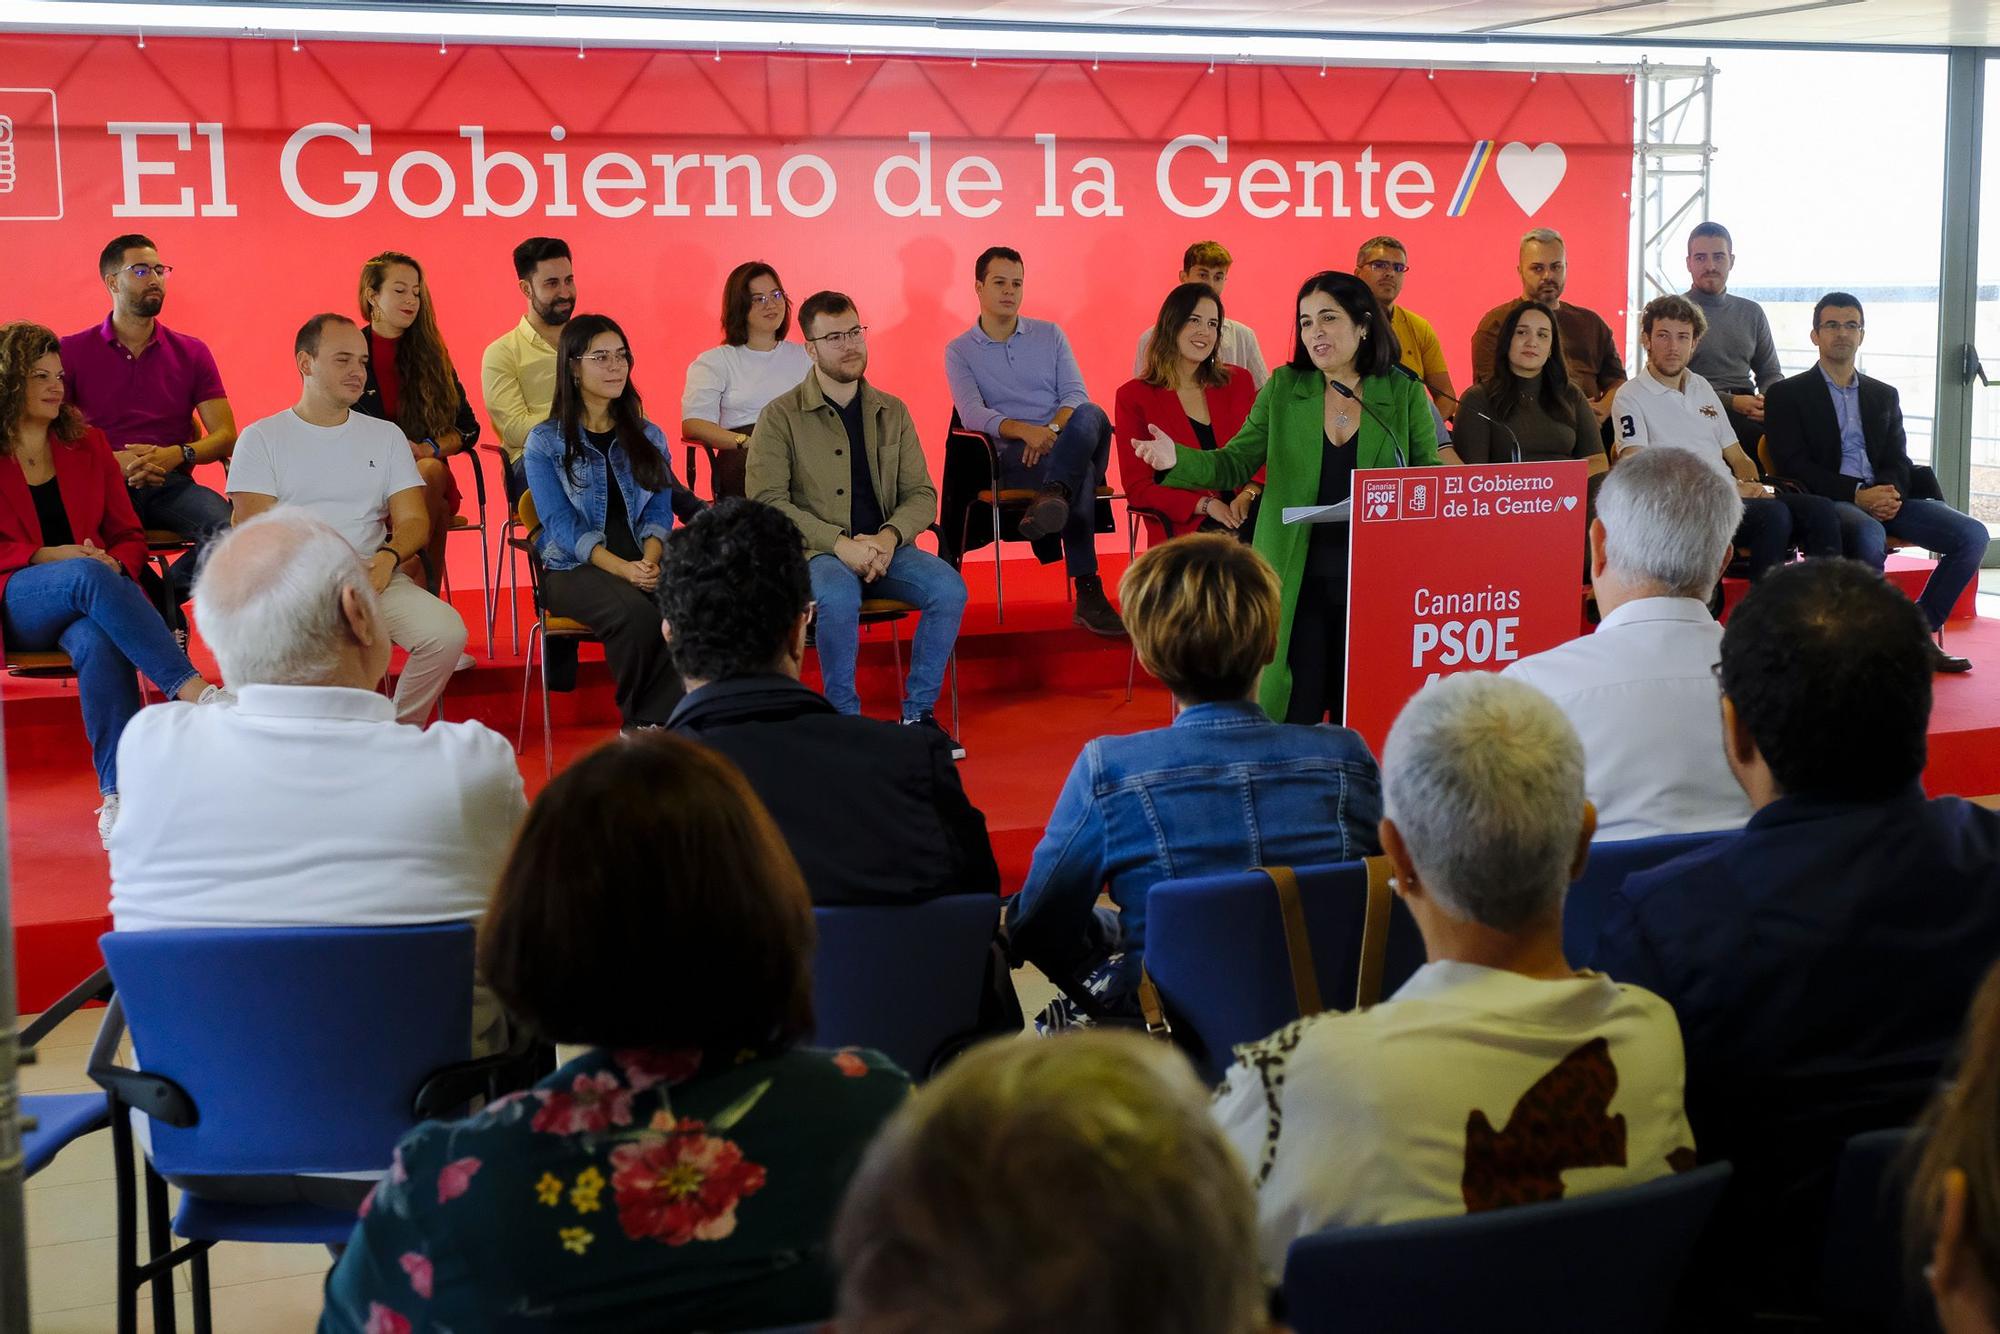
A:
[(1345, 392), (1495, 421)]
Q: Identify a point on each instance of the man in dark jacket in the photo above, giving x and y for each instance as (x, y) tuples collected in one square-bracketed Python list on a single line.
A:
[(874, 813)]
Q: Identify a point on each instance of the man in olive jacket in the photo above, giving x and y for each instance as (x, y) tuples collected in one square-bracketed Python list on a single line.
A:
[(841, 460)]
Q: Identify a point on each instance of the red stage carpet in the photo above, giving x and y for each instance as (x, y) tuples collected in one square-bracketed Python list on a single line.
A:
[(1032, 692)]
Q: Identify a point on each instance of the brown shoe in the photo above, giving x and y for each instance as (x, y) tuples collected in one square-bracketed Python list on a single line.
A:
[(1094, 611), (1046, 513), (1945, 662)]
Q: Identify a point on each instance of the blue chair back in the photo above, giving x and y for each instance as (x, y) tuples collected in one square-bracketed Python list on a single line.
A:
[(1866, 1283), (1608, 1261), (1604, 873), (301, 1048), (1215, 948), (905, 980)]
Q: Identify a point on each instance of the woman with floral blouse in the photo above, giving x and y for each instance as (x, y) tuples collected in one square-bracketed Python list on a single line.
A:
[(684, 1171)]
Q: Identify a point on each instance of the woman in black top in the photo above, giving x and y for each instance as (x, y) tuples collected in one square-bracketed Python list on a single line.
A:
[(1527, 411)]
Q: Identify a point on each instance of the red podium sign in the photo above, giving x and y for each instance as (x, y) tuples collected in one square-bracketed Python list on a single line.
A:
[(1456, 570)]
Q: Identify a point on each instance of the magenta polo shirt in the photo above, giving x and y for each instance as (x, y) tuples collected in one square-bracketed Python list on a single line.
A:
[(150, 397)]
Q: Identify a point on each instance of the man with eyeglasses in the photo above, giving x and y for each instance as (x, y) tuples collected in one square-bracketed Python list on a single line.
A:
[(146, 386), (1208, 262), (1382, 263), (1738, 355), (1589, 349), (517, 376), (1839, 433), (841, 459)]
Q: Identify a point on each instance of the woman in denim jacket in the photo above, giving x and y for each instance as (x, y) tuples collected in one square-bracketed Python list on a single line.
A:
[(600, 543), (1220, 791)]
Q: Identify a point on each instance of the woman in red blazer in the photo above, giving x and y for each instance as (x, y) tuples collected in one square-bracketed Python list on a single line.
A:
[(1192, 397), (70, 553)]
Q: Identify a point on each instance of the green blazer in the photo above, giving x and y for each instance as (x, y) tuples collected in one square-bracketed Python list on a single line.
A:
[(1283, 436)]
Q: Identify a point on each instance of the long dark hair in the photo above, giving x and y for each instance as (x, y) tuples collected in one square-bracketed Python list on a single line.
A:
[(1503, 386), (1379, 350), (628, 415), (736, 302), (427, 403), (1164, 352)]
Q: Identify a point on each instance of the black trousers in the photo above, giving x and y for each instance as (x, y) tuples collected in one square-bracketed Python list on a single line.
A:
[(642, 671), (1318, 651)]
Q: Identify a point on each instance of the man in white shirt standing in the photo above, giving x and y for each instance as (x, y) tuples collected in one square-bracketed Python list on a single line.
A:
[(1497, 1074), (1208, 262), (1640, 691), (355, 473), (1670, 406)]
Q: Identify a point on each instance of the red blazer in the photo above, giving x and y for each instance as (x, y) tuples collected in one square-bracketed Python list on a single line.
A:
[(93, 495), (1140, 406)]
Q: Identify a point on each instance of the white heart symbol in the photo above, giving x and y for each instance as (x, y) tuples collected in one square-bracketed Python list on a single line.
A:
[(1531, 175), (1569, 502)]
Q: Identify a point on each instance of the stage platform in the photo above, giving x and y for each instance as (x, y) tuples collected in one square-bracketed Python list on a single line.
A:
[(1031, 691)]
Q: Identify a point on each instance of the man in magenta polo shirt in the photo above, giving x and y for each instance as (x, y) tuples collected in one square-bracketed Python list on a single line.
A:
[(145, 385)]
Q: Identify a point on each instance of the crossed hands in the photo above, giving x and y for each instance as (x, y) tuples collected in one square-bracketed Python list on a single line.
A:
[(643, 575), (147, 465), (867, 556), (86, 550)]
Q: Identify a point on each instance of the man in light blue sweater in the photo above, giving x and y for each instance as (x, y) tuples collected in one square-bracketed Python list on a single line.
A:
[(1737, 355)]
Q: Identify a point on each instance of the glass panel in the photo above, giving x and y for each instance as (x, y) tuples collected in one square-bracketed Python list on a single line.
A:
[(1986, 316)]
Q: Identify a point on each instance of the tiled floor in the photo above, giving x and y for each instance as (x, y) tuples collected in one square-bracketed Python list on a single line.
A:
[(72, 1224)]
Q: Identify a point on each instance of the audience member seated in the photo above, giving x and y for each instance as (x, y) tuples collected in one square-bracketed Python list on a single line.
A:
[(1073, 1187), (1821, 962), (875, 813), (1382, 263), (70, 554), (1221, 790), (683, 1172), (1197, 399), (1208, 262), (732, 382), (1589, 349), (517, 376), (604, 494), (1641, 691), (841, 460), (1737, 355), (1954, 1206), (1497, 1075), (1528, 411), (1016, 381), (1839, 433), (1672, 407)]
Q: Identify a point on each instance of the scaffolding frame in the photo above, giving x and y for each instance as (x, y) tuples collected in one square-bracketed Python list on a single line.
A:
[(1671, 160)]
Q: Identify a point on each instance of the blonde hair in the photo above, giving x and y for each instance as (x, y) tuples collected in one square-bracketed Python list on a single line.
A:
[(1073, 1186), (1203, 614), (1206, 254)]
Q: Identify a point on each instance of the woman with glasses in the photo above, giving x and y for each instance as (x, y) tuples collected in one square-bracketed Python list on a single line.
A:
[(732, 383), (411, 383), (604, 496), (70, 552)]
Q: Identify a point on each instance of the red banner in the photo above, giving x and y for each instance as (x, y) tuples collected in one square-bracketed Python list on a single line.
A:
[(1457, 570), (267, 174)]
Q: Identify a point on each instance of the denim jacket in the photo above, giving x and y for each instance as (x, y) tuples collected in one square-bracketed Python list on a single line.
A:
[(572, 508), (1222, 790)]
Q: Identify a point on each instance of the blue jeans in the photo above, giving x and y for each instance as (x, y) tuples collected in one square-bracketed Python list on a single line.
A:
[(1079, 457), (189, 509), (104, 622), (1959, 540), (914, 576)]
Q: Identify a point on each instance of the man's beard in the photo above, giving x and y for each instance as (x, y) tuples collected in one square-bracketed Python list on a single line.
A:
[(557, 312), (841, 375), (149, 306)]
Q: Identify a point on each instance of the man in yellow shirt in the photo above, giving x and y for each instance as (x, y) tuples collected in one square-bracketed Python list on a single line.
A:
[(518, 374), (1381, 263)]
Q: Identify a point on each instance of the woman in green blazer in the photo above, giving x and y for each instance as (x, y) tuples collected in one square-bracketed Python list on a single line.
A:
[(1309, 440)]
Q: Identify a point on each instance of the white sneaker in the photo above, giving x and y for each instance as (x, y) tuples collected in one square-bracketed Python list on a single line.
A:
[(216, 695), (466, 662), (107, 816)]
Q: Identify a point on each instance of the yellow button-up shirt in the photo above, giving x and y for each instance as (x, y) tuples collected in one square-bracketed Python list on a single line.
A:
[(518, 378)]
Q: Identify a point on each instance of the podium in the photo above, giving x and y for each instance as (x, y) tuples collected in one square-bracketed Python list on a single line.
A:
[(1456, 569)]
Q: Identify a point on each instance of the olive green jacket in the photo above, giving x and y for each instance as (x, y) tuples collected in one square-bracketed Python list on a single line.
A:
[(798, 463)]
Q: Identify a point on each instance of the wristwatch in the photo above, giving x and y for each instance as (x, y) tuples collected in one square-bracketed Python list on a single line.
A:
[(187, 455)]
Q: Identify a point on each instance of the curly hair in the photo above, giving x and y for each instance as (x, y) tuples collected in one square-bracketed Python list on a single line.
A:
[(427, 405), (733, 583), (22, 344)]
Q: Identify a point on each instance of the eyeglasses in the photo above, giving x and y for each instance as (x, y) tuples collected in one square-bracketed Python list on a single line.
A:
[(841, 337), (607, 356), (776, 294), (1387, 266), (145, 271), (1840, 326)]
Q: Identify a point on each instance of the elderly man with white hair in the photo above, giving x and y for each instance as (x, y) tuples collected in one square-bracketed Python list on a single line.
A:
[(1496, 1075), (1641, 691)]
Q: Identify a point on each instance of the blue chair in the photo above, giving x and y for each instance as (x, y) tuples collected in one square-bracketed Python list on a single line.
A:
[(1604, 874), (51, 1122), (1216, 951), (276, 1052), (905, 980), (1866, 1283), (1608, 1261)]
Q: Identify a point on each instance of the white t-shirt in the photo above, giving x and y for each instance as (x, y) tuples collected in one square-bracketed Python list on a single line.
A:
[(1469, 1089), (1239, 348), (344, 474), (1648, 412), (730, 385)]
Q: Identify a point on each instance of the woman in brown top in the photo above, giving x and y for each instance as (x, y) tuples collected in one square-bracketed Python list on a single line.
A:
[(1527, 411)]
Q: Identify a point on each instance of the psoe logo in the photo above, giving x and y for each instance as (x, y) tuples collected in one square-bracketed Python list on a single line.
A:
[(1529, 174), (30, 156), (1381, 499)]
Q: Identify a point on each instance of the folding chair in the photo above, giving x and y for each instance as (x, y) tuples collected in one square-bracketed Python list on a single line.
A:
[(545, 626), (905, 980), (488, 584), (504, 551), (51, 1122), (890, 612), (161, 544)]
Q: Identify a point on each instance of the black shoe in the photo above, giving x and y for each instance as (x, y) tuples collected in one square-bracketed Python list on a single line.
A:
[(1094, 611), (1046, 513), (929, 719), (1944, 662)]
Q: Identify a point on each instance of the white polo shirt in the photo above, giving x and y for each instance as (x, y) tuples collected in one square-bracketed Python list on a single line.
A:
[(1691, 418), (344, 474), (1640, 695)]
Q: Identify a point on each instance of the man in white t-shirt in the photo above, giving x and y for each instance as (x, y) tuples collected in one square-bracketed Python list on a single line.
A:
[(1496, 1075), (1669, 406), (1208, 262), (1639, 691), (355, 473)]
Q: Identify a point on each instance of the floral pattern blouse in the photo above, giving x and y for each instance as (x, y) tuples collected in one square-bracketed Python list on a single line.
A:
[(630, 1190)]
